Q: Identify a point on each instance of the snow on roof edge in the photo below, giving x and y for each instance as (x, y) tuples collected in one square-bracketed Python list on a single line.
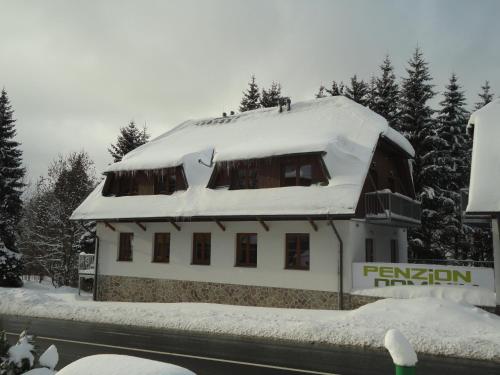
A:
[(484, 196)]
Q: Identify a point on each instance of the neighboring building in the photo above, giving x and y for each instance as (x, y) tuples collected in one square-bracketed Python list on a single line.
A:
[(484, 189), (268, 207)]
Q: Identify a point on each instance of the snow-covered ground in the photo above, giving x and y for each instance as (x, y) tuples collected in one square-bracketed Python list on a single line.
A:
[(112, 364), (471, 295), (432, 325)]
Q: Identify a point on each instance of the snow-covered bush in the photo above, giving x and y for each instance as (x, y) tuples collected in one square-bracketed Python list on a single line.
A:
[(21, 358), (10, 267)]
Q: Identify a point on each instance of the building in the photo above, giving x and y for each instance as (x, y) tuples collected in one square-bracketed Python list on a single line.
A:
[(268, 207), (484, 188)]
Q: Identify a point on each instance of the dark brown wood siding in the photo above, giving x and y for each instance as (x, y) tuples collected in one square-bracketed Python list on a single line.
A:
[(145, 182), (269, 171), (389, 169)]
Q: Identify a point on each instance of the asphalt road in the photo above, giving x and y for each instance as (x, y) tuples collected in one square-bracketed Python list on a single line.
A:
[(218, 355)]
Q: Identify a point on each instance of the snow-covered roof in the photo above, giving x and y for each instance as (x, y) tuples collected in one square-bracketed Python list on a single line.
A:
[(484, 192), (345, 131)]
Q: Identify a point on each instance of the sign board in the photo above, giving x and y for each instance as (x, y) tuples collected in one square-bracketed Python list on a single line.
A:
[(376, 275)]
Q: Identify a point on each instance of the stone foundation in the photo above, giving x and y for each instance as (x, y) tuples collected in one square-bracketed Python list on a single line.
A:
[(135, 289), (352, 301)]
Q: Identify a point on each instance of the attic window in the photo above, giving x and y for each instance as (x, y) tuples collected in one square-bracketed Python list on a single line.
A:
[(271, 172), (145, 182), (296, 173)]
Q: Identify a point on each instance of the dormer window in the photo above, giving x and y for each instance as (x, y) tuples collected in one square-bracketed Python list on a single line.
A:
[(166, 182), (296, 174), (145, 182), (275, 171), (245, 178)]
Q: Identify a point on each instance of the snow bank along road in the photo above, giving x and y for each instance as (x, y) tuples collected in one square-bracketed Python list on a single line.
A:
[(223, 355), (432, 325)]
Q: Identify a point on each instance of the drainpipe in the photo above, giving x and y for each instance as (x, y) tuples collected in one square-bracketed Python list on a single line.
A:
[(341, 266), (96, 254)]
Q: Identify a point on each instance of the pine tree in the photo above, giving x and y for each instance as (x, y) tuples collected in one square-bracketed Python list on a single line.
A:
[(271, 97), (357, 91), (371, 94), (387, 94), (486, 96), (453, 165), (321, 92), (251, 97), (11, 174), (50, 241), (336, 89), (417, 125), (11, 267), (130, 138)]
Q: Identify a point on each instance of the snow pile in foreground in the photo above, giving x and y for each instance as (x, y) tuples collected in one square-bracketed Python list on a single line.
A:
[(49, 358), (430, 324), (402, 353), (113, 364), (472, 295)]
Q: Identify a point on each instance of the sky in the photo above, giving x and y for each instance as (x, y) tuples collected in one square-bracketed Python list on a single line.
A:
[(76, 71)]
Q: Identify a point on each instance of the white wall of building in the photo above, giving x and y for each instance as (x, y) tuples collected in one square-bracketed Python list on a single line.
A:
[(382, 236), (270, 270)]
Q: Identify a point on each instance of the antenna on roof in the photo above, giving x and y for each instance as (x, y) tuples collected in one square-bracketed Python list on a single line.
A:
[(285, 100), (211, 161)]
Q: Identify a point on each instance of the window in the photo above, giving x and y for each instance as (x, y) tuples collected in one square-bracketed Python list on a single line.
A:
[(246, 250), (246, 178), (145, 182), (270, 172), (392, 184), (161, 251), (166, 181), (297, 251), (369, 257), (125, 247), (201, 248), (297, 174), (394, 251)]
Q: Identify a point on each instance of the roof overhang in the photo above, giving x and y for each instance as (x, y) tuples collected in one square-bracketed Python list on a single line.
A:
[(228, 218)]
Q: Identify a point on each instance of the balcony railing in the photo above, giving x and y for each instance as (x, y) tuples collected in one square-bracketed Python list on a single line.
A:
[(385, 207), (86, 264)]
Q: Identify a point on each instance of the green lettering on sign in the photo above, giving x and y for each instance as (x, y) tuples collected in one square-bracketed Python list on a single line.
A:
[(466, 277), (386, 272), (399, 272), (367, 269)]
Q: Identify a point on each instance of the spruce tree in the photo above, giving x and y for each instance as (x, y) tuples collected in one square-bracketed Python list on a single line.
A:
[(50, 242), (130, 138), (251, 97), (486, 96), (453, 165), (11, 175), (417, 125), (386, 95), (336, 89), (357, 91), (371, 94), (320, 93), (271, 97)]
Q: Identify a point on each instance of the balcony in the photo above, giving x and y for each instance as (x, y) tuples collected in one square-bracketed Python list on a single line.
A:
[(385, 207)]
